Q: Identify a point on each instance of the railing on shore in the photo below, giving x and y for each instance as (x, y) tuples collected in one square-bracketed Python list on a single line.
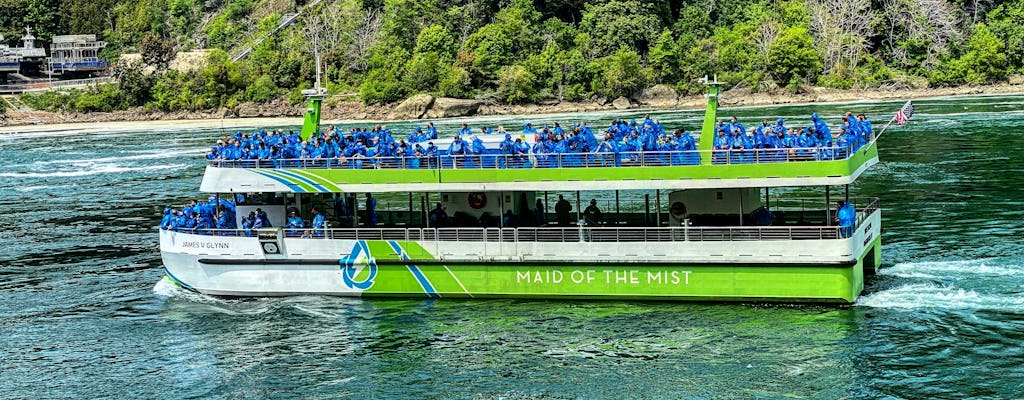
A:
[(55, 84), (554, 160)]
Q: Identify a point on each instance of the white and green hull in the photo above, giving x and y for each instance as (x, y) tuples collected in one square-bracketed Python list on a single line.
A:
[(826, 270)]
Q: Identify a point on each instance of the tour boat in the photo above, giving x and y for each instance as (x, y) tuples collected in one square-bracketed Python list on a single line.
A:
[(712, 226)]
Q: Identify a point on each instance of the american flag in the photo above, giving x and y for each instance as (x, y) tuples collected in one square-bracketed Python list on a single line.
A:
[(904, 113)]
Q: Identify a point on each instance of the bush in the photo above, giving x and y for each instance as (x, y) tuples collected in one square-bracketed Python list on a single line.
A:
[(421, 73), (456, 83), (379, 91), (619, 74), (517, 84), (792, 57), (261, 90)]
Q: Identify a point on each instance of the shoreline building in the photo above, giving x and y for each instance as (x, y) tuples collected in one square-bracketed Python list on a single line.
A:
[(76, 55)]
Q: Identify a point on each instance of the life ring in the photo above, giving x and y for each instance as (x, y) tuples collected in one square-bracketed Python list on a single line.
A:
[(477, 200)]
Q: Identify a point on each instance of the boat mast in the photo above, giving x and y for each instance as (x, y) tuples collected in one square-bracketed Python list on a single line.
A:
[(315, 96), (707, 131)]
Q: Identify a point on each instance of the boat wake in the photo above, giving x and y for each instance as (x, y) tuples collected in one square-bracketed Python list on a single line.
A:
[(167, 289), (135, 157), (96, 170), (951, 269), (917, 296)]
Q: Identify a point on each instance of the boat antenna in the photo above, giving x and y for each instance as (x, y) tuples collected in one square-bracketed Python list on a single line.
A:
[(316, 55), (311, 122)]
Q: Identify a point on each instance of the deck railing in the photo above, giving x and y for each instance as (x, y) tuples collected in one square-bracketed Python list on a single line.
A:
[(553, 235), (570, 234), (553, 160)]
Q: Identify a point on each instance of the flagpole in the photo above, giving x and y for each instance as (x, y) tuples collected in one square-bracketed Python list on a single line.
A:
[(879, 135)]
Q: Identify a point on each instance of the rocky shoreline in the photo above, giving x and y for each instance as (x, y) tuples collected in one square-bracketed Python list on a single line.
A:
[(428, 107)]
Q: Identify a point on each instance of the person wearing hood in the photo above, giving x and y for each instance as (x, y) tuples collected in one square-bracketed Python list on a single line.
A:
[(456, 151), (737, 125), (294, 224), (506, 148), (721, 145), (202, 225), (247, 223), (179, 221), (431, 131), (779, 126), (540, 152), (521, 150), (528, 129), (320, 223), (262, 219), (846, 217), (820, 127), (465, 131), (478, 149), (225, 220)]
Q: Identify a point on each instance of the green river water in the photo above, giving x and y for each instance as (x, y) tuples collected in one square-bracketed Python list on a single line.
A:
[(84, 312)]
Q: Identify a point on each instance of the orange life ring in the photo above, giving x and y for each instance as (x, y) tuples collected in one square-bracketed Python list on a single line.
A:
[(477, 200)]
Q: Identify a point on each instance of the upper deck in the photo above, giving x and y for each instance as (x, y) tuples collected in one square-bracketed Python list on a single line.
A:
[(697, 169)]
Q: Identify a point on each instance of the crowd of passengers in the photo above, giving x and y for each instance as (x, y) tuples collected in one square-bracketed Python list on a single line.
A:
[(200, 217), (204, 216), (554, 145)]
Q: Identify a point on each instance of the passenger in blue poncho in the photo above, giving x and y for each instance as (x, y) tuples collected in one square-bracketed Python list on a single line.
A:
[(294, 224), (506, 148), (165, 222), (431, 131), (319, 223), (846, 217), (477, 149), (262, 219), (721, 145)]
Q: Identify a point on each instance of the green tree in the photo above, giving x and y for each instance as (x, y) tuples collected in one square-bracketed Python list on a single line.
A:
[(456, 83), (617, 23), (134, 83), (792, 57), (620, 74), (489, 49), (421, 73), (517, 84)]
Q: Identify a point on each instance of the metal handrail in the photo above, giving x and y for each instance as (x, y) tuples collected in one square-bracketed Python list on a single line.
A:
[(553, 160), (553, 235)]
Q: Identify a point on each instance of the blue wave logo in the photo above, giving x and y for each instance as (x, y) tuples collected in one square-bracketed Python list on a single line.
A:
[(358, 259)]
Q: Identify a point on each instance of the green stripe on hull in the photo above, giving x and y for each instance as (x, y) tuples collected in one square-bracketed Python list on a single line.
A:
[(724, 282)]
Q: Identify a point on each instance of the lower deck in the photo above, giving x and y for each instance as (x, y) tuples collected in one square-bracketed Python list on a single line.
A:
[(766, 263)]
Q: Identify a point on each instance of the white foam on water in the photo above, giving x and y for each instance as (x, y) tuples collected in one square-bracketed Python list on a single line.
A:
[(99, 169), (167, 289), (32, 188), (951, 269), (928, 296), (144, 156)]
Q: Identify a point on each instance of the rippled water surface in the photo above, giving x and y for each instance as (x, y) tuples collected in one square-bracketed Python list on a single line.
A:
[(84, 312)]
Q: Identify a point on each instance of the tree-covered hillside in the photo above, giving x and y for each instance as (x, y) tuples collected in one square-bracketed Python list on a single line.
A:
[(520, 51)]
